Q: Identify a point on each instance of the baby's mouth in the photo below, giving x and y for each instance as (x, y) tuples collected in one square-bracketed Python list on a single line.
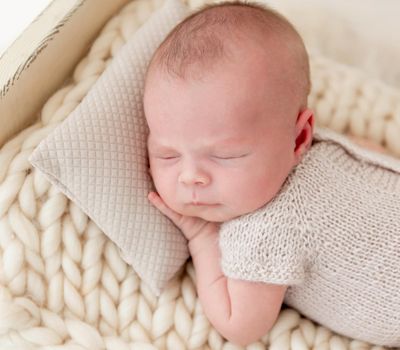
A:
[(196, 203), (201, 204)]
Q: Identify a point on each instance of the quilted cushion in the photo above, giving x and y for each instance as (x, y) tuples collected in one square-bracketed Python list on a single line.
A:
[(98, 158)]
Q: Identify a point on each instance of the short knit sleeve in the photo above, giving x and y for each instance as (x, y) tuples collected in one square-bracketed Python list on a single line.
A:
[(269, 245)]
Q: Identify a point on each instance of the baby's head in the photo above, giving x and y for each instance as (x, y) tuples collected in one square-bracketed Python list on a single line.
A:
[(226, 104)]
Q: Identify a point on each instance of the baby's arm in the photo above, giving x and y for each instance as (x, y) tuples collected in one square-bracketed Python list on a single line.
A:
[(241, 311)]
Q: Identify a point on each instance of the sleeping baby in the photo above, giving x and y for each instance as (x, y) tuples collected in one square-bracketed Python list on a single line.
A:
[(273, 210)]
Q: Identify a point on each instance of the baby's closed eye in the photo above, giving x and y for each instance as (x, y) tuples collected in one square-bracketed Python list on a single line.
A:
[(229, 156), (166, 157), (171, 156)]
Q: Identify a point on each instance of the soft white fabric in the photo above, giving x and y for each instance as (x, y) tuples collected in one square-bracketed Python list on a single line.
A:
[(348, 101), (333, 235), (62, 281), (98, 158), (362, 34)]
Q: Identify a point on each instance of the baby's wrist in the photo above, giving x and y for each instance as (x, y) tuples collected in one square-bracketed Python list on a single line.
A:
[(203, 240)]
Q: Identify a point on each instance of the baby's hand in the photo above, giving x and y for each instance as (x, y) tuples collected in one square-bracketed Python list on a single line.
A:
[(190, 226)]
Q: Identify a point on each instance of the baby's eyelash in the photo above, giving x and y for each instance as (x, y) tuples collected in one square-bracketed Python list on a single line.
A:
[(219, 157), (167, 157), (231, 157)]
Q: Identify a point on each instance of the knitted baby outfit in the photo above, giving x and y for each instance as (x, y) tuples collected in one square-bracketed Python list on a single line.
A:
[(332, 234)]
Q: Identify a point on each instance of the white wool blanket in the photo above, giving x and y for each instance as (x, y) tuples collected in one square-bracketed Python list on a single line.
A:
[(63, 284)]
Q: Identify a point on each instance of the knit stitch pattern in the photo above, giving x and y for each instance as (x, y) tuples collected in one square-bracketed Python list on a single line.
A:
[(333, 235)]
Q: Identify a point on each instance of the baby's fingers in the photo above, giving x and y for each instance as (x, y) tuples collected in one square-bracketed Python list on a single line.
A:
[(156, 200)]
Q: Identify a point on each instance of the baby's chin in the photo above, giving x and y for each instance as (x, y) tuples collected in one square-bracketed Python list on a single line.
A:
[(214, 213)]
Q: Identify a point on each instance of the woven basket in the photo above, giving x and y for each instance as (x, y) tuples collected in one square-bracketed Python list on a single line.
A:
[(63, 284)]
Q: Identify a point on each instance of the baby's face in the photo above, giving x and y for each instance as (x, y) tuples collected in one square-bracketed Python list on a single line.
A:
[(218, 147)]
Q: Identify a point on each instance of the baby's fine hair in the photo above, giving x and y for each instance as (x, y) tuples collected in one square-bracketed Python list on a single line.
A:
[(203, 39)]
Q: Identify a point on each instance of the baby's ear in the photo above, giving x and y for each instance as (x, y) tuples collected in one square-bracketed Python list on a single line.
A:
[(304, 133)]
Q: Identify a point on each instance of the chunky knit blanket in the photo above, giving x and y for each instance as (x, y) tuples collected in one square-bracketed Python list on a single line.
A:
[(63, 284)]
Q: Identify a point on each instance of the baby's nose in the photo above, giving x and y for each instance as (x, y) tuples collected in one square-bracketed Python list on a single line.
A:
[(192, 177)]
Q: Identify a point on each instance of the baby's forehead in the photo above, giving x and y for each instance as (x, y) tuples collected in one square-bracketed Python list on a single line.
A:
[(233, 103)]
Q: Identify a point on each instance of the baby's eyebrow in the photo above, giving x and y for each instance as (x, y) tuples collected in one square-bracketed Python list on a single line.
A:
[(231, 141), (228, 142), (160, 147)]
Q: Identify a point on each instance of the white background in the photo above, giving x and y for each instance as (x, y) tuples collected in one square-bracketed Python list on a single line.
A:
[(15, 16)]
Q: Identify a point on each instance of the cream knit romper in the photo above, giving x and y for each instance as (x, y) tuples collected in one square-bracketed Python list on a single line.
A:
[(332, 234)]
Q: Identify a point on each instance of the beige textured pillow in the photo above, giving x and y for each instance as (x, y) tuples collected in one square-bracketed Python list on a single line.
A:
[(98, 158)]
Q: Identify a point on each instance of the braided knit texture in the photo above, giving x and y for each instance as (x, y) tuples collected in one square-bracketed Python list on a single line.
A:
[(63, 284)]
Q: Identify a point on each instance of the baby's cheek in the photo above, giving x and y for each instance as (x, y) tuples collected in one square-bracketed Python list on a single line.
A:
[(155, 175), (236, 187), (164, 183), (158, 179), (254, 189)]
